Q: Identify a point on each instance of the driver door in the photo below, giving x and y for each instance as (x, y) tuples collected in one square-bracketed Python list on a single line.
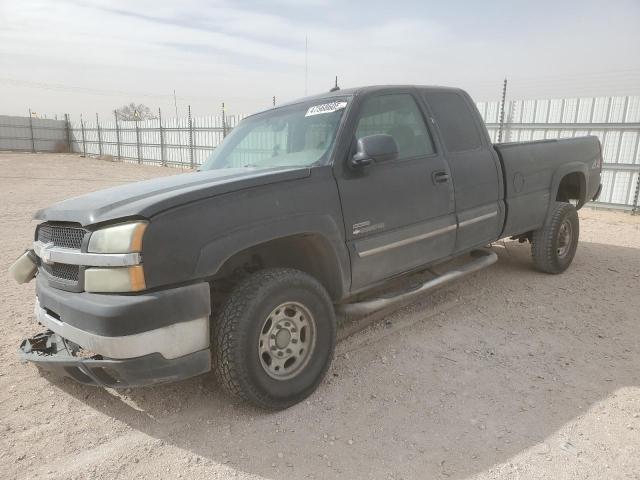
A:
[(399, 214)]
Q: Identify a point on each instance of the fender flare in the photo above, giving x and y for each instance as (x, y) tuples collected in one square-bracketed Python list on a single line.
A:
[(214, 254), (563, 171)]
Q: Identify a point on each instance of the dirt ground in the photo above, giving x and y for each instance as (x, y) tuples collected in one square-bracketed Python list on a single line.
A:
[(509, 373)]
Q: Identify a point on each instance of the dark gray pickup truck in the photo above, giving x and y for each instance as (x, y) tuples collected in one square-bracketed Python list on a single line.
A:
[(302, 211)]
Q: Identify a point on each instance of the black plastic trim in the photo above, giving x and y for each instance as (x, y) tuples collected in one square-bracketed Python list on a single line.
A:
[(118, 315)]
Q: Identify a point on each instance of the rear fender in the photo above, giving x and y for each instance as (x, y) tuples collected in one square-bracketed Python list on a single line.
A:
[(563, 171)]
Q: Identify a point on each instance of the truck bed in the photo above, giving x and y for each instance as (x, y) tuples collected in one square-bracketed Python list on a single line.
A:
[(532, 170)]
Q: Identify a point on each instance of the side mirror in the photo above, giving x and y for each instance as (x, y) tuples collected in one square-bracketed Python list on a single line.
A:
[(374, 148)]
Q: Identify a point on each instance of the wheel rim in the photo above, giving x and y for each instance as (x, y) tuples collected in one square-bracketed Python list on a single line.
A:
[(565, 235), (287, 340)]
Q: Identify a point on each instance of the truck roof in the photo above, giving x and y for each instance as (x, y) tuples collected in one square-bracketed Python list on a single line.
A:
[(359, 91)]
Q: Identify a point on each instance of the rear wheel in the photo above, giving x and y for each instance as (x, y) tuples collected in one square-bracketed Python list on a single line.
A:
[(554, 245), (274, 338)]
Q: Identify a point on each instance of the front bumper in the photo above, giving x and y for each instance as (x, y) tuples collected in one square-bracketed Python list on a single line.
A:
[(170, 341), (122, 340), (55, 354)]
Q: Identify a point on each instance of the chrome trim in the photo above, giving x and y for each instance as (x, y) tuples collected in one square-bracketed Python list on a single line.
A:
[(424, 236), (406, 241), (49, 253), (486, 216), (171, 342)]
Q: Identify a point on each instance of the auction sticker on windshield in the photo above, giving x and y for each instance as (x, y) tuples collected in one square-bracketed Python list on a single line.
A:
[(325, 108)]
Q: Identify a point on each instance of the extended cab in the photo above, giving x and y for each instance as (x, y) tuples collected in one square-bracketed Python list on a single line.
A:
[(303, 210)]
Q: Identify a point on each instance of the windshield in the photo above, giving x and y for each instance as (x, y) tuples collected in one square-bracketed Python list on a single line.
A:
[(297, 136)]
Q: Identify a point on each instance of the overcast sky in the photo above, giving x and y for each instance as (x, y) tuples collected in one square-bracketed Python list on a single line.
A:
[(93, 56)]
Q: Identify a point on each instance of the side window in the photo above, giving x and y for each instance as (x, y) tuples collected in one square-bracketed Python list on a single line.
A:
[(396, 115), (456, 121)]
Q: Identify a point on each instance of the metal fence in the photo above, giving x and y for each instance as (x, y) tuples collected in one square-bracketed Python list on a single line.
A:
[(28, 134), (165, 141), (189, 141), (614, 120)]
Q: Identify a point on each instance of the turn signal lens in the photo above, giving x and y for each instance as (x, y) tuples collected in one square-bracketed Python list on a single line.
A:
[(114, 280)]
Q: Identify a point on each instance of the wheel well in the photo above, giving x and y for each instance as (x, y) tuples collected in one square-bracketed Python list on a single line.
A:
[(309, 253), (572, 187)]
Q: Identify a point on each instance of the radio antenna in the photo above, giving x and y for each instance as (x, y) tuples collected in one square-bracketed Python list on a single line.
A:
[(335, 87)]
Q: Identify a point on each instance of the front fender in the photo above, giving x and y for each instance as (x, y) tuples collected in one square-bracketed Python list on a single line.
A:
[(191, 242), (214, 254)]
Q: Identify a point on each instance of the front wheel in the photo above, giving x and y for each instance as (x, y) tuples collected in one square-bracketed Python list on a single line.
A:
[(554, 245), (274, 338)]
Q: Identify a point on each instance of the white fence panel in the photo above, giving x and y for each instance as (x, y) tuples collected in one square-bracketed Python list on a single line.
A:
[(614, 120)]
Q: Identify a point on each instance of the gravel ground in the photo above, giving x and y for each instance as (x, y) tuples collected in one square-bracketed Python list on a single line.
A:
[(509, 373)]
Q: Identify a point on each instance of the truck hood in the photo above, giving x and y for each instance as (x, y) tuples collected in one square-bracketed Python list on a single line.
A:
[(149, 197)]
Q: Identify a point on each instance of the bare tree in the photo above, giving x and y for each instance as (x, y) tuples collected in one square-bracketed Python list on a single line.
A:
[(133, 112)]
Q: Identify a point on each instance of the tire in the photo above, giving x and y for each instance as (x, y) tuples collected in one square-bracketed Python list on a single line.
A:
[(249, 334), (554, 245)]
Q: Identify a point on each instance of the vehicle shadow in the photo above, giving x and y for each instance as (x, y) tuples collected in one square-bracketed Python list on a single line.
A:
[(447, 386)]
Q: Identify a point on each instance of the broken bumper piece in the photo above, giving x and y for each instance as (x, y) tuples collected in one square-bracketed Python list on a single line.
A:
[(50, 352)]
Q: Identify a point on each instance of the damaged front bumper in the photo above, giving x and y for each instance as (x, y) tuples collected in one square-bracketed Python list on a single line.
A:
[(122, 341), (53, 353)]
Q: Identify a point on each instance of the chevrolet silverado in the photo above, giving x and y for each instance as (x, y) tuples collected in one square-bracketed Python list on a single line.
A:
[(303, 211)]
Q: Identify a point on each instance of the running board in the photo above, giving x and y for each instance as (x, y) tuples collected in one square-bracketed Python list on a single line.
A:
[(484, 258)]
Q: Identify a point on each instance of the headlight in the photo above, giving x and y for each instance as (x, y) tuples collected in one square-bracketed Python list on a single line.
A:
[(123, 238), (112, 280)]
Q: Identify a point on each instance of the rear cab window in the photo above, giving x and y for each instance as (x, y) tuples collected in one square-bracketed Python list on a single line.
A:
[(456, 121)]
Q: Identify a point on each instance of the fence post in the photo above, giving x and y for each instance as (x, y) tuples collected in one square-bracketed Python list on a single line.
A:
[(138, 141), (115, 114), (33, 142), (190, 139), (99, 134), (504, 96), (84, 143), (163, 158), (67, 128), (224, 123), (509, 122), (636, 196)]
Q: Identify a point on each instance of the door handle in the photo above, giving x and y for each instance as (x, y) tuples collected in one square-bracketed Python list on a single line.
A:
[(440, 177)]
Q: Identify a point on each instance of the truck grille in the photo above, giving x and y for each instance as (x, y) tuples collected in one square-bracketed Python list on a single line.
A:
[(70, 273), (66, 237)]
